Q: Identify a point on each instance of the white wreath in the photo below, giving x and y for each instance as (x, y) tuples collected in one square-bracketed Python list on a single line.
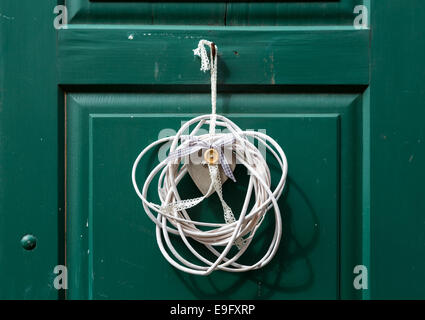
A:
[(173, 209)]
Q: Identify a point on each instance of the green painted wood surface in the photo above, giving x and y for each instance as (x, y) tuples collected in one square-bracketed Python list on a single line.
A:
[(224, 13), (397, 98), (311, 77), (31, 151), (278, 13), (312, 55), (112, 251), (85, 11)]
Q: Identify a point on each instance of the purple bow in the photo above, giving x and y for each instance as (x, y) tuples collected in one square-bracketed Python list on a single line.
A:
[(196, 144)]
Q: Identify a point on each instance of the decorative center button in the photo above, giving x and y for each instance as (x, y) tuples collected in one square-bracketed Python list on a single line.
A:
[(211, 156)]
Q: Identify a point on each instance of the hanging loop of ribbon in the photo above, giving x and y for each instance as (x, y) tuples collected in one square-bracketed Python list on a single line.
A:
[(209, 64), (200, 51)]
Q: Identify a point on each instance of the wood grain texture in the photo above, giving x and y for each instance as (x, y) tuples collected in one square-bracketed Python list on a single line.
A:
[(147, 13), (110, 240), (291, 13), (106, 55), (231, 13), (397, 94), (319, 52), (31, 156)]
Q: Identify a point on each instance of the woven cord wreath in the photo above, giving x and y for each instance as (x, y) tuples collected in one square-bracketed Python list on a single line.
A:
[(172, 216)]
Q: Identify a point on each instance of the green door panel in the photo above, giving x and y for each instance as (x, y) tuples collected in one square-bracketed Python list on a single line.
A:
[(397, 220), (204, 12), (31, 151), (278, 13), (255, 56), (79, 103), (146, 13), (111, 245)]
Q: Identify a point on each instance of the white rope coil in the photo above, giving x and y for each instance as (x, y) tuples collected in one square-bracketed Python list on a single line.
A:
[(171, 216)]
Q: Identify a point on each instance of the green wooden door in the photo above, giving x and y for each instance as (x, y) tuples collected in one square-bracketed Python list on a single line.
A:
[(79, 104)]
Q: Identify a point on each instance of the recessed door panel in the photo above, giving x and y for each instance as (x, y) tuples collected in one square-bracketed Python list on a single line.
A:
[(112, 250)]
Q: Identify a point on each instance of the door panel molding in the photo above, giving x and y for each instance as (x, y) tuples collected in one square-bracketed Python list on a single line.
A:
[(90, 112)]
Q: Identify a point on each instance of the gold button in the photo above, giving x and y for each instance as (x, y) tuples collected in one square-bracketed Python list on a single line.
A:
[(211, 156)]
